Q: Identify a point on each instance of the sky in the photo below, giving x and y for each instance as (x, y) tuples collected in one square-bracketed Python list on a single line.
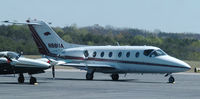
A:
[(165, 15)]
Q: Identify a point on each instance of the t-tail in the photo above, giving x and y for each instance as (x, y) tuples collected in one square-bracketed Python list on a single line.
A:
[(46, 39)]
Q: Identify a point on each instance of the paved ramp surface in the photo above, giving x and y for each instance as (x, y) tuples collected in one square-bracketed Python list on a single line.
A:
[(72, 85)]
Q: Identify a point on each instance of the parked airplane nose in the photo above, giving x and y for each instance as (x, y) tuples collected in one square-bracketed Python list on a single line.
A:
[(48, 66), (180, 65), (185, 65), (45, 65)]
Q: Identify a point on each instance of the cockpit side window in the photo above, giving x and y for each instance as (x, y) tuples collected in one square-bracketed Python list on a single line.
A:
[(157, 53), (147, 52)]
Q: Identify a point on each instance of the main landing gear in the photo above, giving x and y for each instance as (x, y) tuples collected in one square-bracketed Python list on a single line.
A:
[(21, 78), (90, 75), (171, 78), (33, 80), (115, 77)]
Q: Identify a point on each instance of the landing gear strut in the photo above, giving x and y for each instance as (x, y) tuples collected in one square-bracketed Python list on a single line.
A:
[(115, 77), (171, 79), (21, 78)]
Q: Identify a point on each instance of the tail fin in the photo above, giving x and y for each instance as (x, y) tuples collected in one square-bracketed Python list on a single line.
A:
[(46, 39)]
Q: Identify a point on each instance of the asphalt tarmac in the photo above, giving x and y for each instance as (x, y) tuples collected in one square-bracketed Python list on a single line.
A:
[(72, 85)]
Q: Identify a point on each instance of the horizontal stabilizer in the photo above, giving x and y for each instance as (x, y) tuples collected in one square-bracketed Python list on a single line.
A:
[(25, 23)]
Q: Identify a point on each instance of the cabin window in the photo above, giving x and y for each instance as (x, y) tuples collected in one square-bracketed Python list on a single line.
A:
[(102, 54), (147, 52), (63, 52), (128, 54), (94, 54), (110, 54), (86, 54), (119, 54), (137, 54)]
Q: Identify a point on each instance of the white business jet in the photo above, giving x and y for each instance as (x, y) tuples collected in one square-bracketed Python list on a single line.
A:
[(114, 60), (14, 63)]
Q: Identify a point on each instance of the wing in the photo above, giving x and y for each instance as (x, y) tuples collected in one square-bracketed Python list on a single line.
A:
[(86, 66)]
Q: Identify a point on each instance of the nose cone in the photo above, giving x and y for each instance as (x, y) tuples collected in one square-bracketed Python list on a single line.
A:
[(42, 64), (46, 65), (184, 65), (176, 63)]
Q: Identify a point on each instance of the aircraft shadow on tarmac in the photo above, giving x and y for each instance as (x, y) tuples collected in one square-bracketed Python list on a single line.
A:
[(49, 80), (25, 83), (109, 80)]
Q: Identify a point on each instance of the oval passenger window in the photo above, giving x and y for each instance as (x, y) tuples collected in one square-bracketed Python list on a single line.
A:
[(86, 54), (102, 54), (137, 54), (110, 54), (119, 54), (128, 54), (94, 54)]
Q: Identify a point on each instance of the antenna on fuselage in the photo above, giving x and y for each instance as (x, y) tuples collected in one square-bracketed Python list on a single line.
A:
[(118, 44)]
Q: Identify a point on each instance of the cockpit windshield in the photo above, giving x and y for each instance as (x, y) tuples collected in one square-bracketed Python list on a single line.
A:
[(147, 52), (12, 55), (157, 53)]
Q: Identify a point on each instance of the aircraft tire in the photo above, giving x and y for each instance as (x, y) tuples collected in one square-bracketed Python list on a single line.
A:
[(33, 80), (115, 77), (89, 76), (171, 79), (20, 80)]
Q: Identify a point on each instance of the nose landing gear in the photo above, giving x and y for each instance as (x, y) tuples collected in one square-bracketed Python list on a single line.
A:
[(171, 78)]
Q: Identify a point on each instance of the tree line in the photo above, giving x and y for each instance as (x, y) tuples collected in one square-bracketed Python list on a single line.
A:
[(181, 45)]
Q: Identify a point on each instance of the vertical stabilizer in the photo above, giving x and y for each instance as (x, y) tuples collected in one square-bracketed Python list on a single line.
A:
[(47, 40)]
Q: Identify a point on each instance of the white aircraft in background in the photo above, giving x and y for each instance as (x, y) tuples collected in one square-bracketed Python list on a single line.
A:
[(13, 63), (114, 60)]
